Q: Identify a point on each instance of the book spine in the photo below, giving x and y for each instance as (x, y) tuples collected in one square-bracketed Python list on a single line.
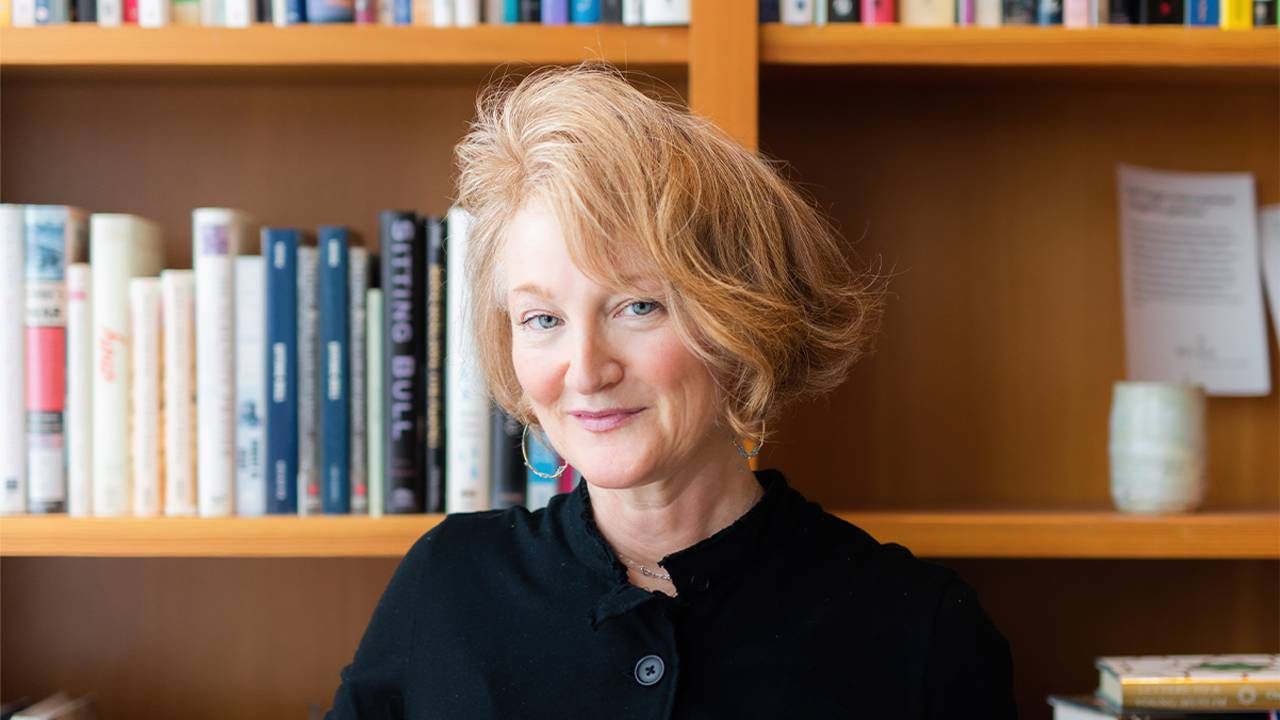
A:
[(330, 11), (376, 399), (441, 13), (879, 12), (52, 12), (555, 12), (309, 498), (466, 402), (251, 379), (797, 12), (154, 13), (842, 11), (13, 407), (1237, 14), (1075, 13), (237, 13), (506, 461), (178, 308), (211, 13), (1203, 13), (1162, 12), (335, 370), (129, 8), (1049, 12), (531, 10), (358, 258), (929, 13), (987, 13), (185, 12), (1018, 12), (55, 237), (217, 236), (542, 458), (86, 11), (110, 12), (435, 456), (403, 305), (23, 13), (280, 248), (79, 414), (366, 12), (585, 12), (466, 13), (668, 12), (124, 247), (1264, 13), (145, 412), (967, 13), (1208, 694), (402, 12), (510, 11)]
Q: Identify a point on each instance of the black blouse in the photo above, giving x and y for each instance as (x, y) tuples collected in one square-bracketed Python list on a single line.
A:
[(788, 612)]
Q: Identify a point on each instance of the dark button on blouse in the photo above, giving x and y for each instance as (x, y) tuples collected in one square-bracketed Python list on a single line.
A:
[(788, 612)]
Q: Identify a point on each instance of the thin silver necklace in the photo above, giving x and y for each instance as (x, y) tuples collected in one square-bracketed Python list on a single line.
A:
[(645, 571)]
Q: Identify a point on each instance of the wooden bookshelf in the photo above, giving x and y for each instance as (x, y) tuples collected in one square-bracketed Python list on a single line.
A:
[(1008, 535), (1102, 47)]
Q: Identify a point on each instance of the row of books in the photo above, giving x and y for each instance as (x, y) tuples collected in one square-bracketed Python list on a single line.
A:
[(315, 377), (1229, 14), (439, 13), (1183, 687)]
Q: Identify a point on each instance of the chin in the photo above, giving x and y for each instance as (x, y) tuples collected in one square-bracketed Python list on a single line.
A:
[(606, 469)]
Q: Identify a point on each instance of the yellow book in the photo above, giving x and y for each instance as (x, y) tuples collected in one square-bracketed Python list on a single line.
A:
[(4, 13), (1237, 14), (1191, 682)]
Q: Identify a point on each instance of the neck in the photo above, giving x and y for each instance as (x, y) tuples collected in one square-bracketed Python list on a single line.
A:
[(649, 521)]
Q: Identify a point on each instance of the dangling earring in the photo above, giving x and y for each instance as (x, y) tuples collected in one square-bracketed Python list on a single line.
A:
[(755, 450), (536, 471)]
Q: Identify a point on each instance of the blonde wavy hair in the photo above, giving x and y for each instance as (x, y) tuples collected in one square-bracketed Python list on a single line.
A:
[(756, 281)]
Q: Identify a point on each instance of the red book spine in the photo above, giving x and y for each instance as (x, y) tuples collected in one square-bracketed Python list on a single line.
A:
[(130, 12), (879, 12)]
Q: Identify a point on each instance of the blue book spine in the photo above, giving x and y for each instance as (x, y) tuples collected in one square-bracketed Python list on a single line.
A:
[(295, 11), (1049, 12), (280, 247), (335, 370), (585, 12), (555, 12), (1203, 13), (331, 11), (402, 12), (511, 11)]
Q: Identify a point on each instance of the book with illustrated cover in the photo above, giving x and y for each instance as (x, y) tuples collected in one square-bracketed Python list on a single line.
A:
[(1191, 682), (1089, 707)]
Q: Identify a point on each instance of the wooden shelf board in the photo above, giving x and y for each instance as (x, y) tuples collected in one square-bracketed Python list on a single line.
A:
[(1066, 535), (1104, 47), (264, 47)]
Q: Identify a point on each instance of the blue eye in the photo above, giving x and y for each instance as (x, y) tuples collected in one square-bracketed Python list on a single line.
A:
[(542, 321), (643, 307)]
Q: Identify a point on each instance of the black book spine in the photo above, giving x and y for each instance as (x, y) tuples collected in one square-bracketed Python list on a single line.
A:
[(611, 11), (403, 303), (768, 11), (1264, 13), (531, 11), (87, 11), (505, 461), (1124, 12), (1162, 12), (842, 11), (1019, 12), (434, 448)]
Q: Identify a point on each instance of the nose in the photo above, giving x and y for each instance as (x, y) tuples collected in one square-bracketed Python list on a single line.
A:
[(593, 365)]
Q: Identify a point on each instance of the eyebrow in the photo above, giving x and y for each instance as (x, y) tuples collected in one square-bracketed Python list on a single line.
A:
[(533, 288)]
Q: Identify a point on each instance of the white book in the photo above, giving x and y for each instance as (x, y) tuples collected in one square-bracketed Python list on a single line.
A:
[(467, 415), (358, 264), (23, 13), (251, 378), (146, 424), (987, 13), (217, 235), (309, 497), (280, 13), (110, 12), (441, 13), (124, 247), (13, 409), (666, 12), (178, 308), (212, 13), (466, 13), (797, 12), (632, 12), (495, 11), (237, 13), (154, 13), (927, 13), (55, 237), (79, 417), (373, 394)]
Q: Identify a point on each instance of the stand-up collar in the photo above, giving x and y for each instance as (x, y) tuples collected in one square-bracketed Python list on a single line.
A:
[(701, 571)]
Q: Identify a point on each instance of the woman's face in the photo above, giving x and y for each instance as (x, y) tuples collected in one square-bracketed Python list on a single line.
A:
[(619, 394)]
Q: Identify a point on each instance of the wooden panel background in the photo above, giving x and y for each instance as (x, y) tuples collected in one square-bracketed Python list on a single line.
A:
[(991, 198)]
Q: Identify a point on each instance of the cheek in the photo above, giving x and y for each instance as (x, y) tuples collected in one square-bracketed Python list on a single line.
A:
[(539, 378), (680, 376)]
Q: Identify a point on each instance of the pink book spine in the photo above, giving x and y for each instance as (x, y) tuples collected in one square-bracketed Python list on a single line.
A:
[(568, 479), (130, 12), (366, 12), (879, 12), (966, 12), (1075, 13)]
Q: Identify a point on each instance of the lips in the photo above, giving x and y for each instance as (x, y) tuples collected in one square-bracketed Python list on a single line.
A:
[(606, 420)]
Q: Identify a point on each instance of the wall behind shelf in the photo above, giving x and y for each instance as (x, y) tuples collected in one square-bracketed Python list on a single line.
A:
[(992, 197)]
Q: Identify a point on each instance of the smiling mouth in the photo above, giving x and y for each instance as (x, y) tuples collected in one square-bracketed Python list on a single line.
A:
[(606, 421)]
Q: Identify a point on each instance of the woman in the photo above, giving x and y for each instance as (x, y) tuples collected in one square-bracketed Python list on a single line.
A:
[(646, 293)]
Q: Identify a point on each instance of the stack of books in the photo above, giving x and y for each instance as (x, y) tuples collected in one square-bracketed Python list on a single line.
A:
[(1238, 687)]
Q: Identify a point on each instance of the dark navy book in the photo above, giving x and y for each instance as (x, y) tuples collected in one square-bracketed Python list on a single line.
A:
[(506, 462), (280, 250), (1049, 12), (335, 370), (433, 462), (403, 307), (611, 12)]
